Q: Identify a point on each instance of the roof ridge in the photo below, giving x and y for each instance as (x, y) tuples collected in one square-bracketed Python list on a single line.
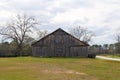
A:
[(63, 31)]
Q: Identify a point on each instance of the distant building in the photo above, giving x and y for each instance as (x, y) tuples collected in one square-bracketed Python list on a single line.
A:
[(59, 44)]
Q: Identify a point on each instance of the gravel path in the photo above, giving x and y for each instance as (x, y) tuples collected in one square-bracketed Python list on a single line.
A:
[(106, 58)]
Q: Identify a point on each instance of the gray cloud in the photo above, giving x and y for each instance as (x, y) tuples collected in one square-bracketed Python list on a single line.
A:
[(97, 15)]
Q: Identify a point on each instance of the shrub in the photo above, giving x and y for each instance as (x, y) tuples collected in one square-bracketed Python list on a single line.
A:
[(8, 55), (92, 55)]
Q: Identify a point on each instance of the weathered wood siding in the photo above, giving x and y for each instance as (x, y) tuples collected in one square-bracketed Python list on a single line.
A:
[(61, 44)]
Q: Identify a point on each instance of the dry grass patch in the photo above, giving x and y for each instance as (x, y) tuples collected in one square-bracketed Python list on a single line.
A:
[(63, 72)]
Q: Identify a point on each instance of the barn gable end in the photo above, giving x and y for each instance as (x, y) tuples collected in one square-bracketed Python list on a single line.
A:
[(59, 43)]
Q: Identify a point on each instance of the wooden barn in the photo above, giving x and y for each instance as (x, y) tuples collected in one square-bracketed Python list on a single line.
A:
[(59, 44)]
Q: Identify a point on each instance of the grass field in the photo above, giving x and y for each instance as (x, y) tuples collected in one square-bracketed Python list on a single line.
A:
[(30, 68)]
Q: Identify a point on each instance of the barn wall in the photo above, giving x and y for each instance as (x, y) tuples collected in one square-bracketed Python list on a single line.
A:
[(78, 51), (59, 44)]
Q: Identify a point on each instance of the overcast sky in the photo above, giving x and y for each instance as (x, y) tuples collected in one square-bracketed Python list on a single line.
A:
[(100, 16)]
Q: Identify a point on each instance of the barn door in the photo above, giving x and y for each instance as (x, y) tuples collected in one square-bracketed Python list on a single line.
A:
[(59, 51), (59, 48)]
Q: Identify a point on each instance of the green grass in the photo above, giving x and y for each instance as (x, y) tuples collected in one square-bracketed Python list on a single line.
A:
[(111, 55), (31, 68)]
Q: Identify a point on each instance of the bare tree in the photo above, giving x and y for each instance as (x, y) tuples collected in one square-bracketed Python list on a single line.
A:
[(118, 37), (82, 34), (18, 30), (42, 34), (112, 49), (29, 40), (117, 44)]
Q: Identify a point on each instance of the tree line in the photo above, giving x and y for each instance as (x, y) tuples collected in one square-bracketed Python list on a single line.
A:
[(112, 49)]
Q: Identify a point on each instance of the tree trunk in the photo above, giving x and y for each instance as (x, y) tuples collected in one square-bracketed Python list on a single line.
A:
[(19, 50)]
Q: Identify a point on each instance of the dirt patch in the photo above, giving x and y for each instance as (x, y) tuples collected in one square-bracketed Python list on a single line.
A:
[(63, 72)]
